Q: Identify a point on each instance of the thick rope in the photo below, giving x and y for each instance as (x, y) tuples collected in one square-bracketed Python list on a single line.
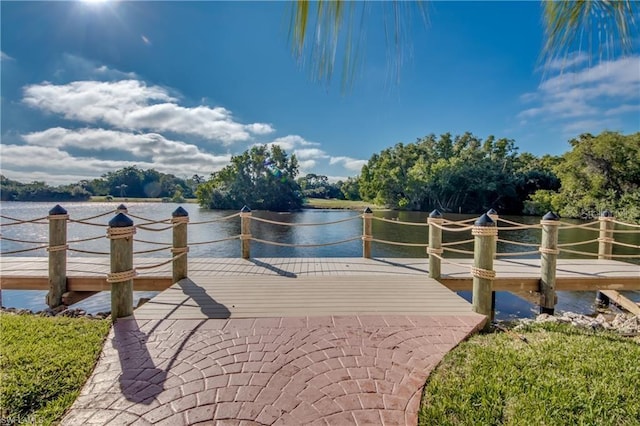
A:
[(632, 225), (444, 228), (86, 239), (245, 236), (22, 223), (95, 217), (618, 243), (457, 250), (15, 240), (396, 243), (119, 277), (137, 240), (624, 231), (58, 217), (146, 228), (151, 250), (123, 232), (398, 222), (435, 221), (625, 256), (517, 243), (157, 265), (179, 220), (517, 253), (545, 250), (431, 250), (90, 252), (148, 221), (456, 243), (306, 245), (595, 240), (58, 248), (235, 237), (38, 219), (510, 222), (81, 222), (517, 228), (220, 219), (178, 250), (4, 253), (484, 231), (273, 222), (605, 240), (486, 274), (583, 253), (447, 260), (459, 222), (587, 226)]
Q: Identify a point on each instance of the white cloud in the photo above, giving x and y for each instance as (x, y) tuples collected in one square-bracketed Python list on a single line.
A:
[(559, 64), (306, 165), (145, 40), (581, 97), (132, 105), (289, 142), (5, 57), (348, 162)]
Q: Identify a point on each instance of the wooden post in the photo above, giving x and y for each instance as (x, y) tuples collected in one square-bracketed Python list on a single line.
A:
[(367, 234), (180, 219), (605, 249), (493, 214), (484, 232), (57, 255), (548, 261), (434, 250), (245, 232), (120, 232)]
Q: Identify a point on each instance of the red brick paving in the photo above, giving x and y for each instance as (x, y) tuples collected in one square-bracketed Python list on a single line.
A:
[(340, 370)]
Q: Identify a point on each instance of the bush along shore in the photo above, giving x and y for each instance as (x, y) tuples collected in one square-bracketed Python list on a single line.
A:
[(60, 311), (625, 324)]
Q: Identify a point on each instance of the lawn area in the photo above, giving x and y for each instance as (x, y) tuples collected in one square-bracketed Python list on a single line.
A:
[(333, 203), (562, 376), (44, 362)]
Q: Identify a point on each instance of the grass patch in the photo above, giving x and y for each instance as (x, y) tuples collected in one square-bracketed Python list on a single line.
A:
[(333, 203), (44, 362), (564, 376)]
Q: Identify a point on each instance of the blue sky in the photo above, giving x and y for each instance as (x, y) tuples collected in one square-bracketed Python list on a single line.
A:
[(90, 87)]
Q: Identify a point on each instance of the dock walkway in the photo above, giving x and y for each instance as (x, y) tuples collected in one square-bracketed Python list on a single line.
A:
[(278, 343)]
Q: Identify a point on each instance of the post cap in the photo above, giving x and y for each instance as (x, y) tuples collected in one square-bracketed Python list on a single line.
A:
[(121, 207), (484, 220), (245, 209), (606, 213), (550, 216), (180, 212), (492, 212), (56, 210), (120, 220), (368, 210), (435, 213)]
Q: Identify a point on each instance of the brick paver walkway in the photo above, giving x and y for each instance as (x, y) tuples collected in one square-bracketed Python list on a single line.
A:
[(336, 370)]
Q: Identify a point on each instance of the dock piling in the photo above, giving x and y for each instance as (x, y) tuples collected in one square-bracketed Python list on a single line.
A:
[(434, 249), (484, 231), (367, 235), (179, 219), (605, 249), (57, 255), (245, 232), (120, 232), (548, 260)]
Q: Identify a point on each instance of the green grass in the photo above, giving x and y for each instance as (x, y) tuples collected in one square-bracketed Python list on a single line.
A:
[(563, 376), (333, 203), (43, 364)]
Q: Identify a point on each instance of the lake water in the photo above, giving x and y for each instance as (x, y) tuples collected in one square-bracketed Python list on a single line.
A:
[(507, 305)]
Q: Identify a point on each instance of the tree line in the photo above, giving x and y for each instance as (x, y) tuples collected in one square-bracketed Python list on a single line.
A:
[(126, 182)]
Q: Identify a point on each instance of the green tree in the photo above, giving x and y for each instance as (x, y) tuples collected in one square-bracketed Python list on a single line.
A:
[(262, 178)]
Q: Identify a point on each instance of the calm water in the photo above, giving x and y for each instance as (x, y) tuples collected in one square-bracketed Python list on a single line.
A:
[(507, 305)]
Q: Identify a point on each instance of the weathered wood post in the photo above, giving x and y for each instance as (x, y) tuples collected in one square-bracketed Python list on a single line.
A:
[(367, 233), (605, 249), (179, 219), (120, 232), (434, 249), (548, 261), (493, 214), (245, 232), (57, 255), (484, 231)]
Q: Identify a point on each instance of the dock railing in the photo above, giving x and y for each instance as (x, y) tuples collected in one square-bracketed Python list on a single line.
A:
[(485, 232)]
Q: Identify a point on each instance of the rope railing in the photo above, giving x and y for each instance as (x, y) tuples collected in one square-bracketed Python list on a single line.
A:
[(150, 229), (220, 219), (100, 253), (15, 240), (273, 222), (138, 240), (456, 243), (587, 226), (618, 243), (82, 240), (148, 221), (399, 222), (4, 253), (82, 222), (398, 243), (444, 228), (157, 265), (518, 253), (84, 219), (274, 243), (631, 225), (517, 243), (579, 243), (452, 250), (234, 237), (38, 220), (152, 250)]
